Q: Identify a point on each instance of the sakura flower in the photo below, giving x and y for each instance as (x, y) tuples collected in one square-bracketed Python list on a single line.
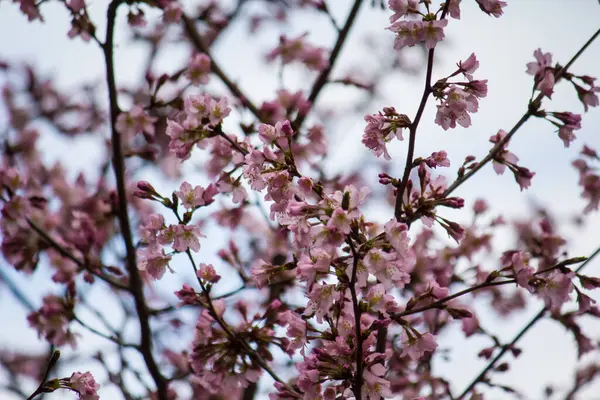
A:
[(296, 329), (309, 268), (297, 49), (134, 121), (207, 273), (456, 108), (588, 97), (85, 385), (433, 32), (387, 268), (320, 301), (416, 347), (522, 271), (199, 65), (52, 321), (492, 7), (375, 386), (340, 221), (191, 197), (555, 290), (379, 300), (438, 159), (468, 67), (538, 67), (153, 260), (397, 234), (172, 13), (218, 111), (186, 237), (402, 8)]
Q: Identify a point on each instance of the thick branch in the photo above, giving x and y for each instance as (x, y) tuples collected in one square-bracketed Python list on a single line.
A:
[(358, 378), (135, 281)]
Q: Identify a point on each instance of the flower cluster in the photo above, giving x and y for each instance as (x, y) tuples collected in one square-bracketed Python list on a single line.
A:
[(200, 120), (382, 128), (589, 179), (460, 98), (297, 49)]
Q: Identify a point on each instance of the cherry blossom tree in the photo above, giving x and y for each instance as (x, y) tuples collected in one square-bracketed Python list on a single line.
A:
[(214, 252)]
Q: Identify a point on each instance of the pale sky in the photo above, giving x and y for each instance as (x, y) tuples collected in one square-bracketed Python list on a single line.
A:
[(503, 47)]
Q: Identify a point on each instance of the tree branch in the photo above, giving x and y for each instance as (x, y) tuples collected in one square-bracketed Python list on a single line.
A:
[(196, 39), (324, 75), (521, 333), (500, 145), (135, 281)]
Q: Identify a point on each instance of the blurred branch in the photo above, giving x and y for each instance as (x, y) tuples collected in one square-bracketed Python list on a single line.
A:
[(135, 281), (324, 75), (196, 39)]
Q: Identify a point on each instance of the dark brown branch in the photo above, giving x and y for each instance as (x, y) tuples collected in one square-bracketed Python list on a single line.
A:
[(136, 285), (358, 378), (324, 75), (413, 128)]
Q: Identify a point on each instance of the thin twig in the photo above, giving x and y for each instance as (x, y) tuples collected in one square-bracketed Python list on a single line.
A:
[(500, 145), (521, 333)]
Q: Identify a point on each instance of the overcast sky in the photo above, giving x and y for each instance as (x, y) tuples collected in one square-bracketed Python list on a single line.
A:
[(503, 47)]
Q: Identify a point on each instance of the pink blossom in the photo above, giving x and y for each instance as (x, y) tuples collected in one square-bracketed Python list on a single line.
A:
[(456, 108), (379, 300), (397, 234), (402, 8), (480, 206), (134, 121), (438, 159), (296, 329), (76, 5), (387, 268), (555, 290), (85, 385), (375, 386), (218, 111), (309, 268), (207, 273), (321, 298), (191, 197), (52, 321), (199, 65), (546, 84), (297, 49), (588, 97), (416, 347), (186, 237), (409, 33), (492, 7), (153, 260), (543, 62), (522, 271)]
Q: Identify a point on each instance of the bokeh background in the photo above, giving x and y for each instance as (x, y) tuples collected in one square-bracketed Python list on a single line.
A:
[(503, 46)]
